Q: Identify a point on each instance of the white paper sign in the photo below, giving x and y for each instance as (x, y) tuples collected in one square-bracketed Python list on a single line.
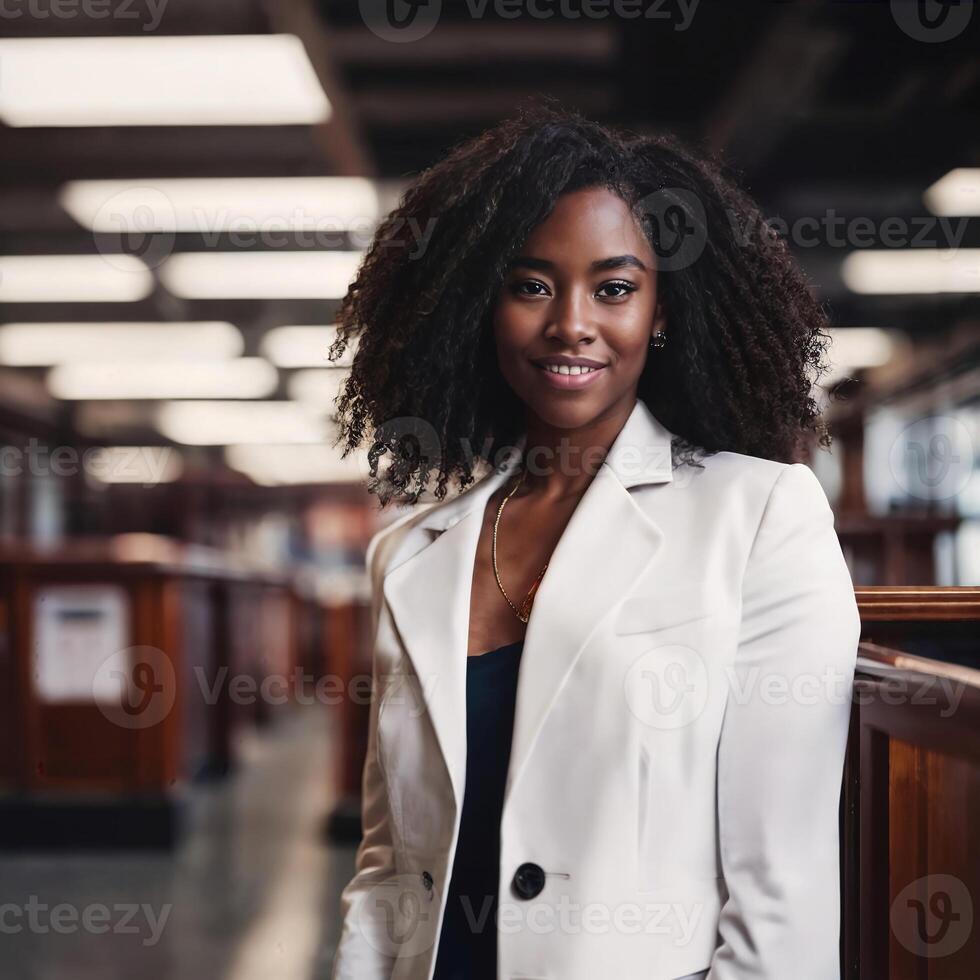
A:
[(76, 629)]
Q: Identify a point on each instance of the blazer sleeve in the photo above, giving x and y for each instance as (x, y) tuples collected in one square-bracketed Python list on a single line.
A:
[(364, 948), (782, 744)]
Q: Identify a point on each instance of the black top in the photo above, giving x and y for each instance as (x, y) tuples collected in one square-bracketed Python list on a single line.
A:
[(468, 941)]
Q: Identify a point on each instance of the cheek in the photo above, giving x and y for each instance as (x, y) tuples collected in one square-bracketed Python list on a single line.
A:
[(514, 326), (630, 338)]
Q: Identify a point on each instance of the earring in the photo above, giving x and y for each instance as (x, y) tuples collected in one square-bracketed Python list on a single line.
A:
[(658, 340)]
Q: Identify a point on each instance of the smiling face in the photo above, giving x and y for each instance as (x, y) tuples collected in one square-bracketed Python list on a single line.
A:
[(582, 291)]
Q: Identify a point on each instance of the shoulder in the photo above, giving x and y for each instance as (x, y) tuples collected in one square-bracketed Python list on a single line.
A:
[(385, 541), (761, 480), (751, 494)]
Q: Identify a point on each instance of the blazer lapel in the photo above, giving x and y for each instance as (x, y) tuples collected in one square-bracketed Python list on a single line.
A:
[(608, 544), (429, 596)]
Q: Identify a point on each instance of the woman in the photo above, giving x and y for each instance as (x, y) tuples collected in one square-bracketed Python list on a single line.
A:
[(613, 676)]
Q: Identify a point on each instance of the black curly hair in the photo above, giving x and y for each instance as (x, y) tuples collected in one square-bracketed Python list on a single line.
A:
[(745, 344)]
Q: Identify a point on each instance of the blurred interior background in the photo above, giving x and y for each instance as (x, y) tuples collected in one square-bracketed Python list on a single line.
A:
[(186, 189)]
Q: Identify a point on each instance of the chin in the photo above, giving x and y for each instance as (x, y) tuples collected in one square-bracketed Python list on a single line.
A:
[(565, 413)]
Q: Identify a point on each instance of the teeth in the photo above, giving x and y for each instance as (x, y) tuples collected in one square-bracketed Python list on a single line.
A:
[(565, 369)]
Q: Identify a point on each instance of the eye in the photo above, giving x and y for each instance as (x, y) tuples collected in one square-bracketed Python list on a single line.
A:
[(621, 284), (518, 288)]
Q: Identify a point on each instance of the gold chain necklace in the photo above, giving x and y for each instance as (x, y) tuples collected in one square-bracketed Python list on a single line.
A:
[(524, 612)]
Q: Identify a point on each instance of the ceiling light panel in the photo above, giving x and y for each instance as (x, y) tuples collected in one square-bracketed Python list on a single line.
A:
[(40, 344), (213, 80)]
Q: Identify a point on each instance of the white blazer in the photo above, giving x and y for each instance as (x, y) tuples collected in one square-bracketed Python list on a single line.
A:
[(682, 710)]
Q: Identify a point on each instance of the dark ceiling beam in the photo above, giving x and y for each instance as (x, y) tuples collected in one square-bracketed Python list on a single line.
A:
[(339, 139), (411, 105), (482, 45), (71, 239), (779, 84), (252, 316), (50, 156), (915, 150)]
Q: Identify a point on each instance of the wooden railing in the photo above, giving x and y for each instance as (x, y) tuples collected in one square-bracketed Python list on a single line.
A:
[(910, 808), (911, 604)]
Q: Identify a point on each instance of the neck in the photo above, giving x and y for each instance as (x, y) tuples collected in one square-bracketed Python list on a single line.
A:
[(561, 462)]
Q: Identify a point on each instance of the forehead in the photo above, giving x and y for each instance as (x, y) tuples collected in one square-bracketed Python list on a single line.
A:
[(588, 224)]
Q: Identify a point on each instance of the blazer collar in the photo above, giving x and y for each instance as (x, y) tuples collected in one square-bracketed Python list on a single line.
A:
[(639, 454), (609, 544)]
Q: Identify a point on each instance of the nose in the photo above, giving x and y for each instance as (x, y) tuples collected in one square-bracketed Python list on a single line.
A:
[(570, 319)]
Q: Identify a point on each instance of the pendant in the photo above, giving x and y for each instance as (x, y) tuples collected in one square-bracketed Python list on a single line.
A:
[(524, 612)]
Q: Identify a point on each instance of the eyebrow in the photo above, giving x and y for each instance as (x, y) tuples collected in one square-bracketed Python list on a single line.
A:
[(600, 265)]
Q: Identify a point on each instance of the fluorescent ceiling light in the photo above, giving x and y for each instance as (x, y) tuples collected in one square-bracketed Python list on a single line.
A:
[(27, 344), (957, 194), (275, 465), (245, 377), (222, 423), (215, 80), (147, 465), (317, 387), (73, 279), (304, 346), (914, 270), (856, 348), (246, 206), (260, 275)]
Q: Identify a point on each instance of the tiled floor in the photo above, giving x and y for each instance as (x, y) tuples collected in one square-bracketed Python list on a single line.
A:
[(251, 894)]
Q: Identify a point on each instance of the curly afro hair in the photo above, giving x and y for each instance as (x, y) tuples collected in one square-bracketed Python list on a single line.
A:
[(745, 345)]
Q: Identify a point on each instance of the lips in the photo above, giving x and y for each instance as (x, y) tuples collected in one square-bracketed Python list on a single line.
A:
[(569, 360), (571, 369), (569, 377)]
